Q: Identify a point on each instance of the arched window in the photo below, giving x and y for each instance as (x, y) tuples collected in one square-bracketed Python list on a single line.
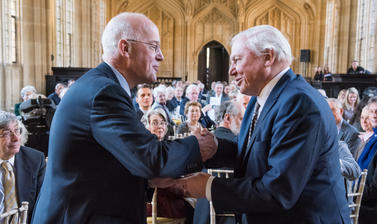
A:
[(366, 34), (331, 35), (64, 21), (10, 18)]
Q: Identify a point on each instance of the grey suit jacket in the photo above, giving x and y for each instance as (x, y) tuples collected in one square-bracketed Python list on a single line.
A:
[(348, 166), (350, 135)]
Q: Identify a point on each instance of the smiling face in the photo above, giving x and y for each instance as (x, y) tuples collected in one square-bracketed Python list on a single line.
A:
[(144, 98), (247, 68), (193, 114), (373, 114), (364, 120), (145, 55)]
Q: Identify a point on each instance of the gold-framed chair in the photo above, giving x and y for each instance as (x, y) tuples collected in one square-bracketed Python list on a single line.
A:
[(154, 219), (355, 196), (218, 173), (21, 212)]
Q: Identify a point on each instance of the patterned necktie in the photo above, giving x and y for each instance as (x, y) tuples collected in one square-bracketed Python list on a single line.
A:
[(10, 200), (253, 122)]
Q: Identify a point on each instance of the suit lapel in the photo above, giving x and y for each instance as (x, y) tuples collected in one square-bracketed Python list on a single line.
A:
[(271, 101), (22, 173)]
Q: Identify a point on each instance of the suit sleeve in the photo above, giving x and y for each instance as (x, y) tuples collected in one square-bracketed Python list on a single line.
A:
[(348, 166), (115, 127), (296, 138)]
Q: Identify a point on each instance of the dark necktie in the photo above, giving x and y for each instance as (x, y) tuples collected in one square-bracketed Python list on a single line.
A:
[(253, 122)]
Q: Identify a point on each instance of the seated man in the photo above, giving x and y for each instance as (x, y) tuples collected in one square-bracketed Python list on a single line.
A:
[(355, 68), (22, 168), (346, 132), (55, 95), (145, 99)]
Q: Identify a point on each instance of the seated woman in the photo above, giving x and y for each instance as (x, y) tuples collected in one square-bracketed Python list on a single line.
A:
[(192, 112), (351, 101), (170, 201), (367, 128)]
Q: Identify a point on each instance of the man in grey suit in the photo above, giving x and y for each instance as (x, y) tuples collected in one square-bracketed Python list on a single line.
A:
[(347, 132)]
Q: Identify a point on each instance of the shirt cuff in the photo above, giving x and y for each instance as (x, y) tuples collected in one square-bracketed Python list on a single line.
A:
[(209, 187)]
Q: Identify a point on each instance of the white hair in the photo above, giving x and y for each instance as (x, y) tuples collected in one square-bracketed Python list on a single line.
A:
[(121, 27), (191, 87), (159, 89), (27, 89), (266, 37)]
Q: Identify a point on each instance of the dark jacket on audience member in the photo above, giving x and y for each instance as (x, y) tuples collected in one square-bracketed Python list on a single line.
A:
[(55, 98), (350, 135), (30, 169)]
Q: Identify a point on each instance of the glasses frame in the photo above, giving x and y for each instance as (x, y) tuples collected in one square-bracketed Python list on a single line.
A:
[(156, 47), (10, 133)]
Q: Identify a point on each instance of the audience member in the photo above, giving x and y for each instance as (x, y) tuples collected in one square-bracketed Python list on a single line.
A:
[(22, 168), (346, 132), (368, 209), (55, 95), (243, 99), (355, 68), (371, 146), (71, 82), (342, 95), (192, 112), (169, 92), (144, 99), (350, 104), (175, 103), (367, 130), (170, 201), (348, 166), (318, 73), (326, 73), (25, 94)]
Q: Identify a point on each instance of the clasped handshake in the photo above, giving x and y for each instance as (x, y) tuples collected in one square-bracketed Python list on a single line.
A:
[(193, 185)]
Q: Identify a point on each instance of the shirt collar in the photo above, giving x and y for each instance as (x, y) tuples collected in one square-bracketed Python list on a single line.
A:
[(122, 81), (262, 98), (11, 160)]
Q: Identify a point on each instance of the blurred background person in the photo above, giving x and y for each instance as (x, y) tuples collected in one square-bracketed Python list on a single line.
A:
[(355, 68), (342, 95), (144, 98), (55, 95), (25, 94), (350, 104)]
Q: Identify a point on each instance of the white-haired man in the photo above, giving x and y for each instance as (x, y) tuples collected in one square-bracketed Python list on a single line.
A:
[(100, 154), (287, 168)]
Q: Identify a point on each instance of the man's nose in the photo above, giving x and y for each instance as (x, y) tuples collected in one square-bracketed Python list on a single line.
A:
[(159, 55), (232, 70)]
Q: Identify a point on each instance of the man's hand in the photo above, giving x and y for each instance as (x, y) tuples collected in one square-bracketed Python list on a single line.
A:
[(194, 185), (162, 182), (207, 144)]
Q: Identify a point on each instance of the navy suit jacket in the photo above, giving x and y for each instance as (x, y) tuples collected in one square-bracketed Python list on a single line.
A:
[(30, 168), (100, 156), (290, 172)]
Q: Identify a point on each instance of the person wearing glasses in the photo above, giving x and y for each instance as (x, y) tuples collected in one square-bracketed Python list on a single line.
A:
[(26, 165), (170, 201), (100, 154)]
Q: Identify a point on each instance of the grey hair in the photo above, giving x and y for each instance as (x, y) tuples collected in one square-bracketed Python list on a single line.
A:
[(266, 37), (157, 111), (335, 102), (191, 87), (59, 84), (27, 89), (24, 133), (120, 27), (6, 118), (159, 89), (228, 107)]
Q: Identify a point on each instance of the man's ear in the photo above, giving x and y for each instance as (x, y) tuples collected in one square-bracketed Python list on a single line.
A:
[(269, 57), (124, 47), (227, 117)]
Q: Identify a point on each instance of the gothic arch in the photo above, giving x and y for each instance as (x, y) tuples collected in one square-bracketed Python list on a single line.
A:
[(217, 23), (294, 20)]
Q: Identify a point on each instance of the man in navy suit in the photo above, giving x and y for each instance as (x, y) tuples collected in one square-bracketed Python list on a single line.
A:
[(28, 164), (287, 168), (100, 154)]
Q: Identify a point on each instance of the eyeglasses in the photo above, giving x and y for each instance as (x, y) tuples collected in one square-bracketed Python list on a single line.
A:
[(156, 123), (155, 47), (9, 133)]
